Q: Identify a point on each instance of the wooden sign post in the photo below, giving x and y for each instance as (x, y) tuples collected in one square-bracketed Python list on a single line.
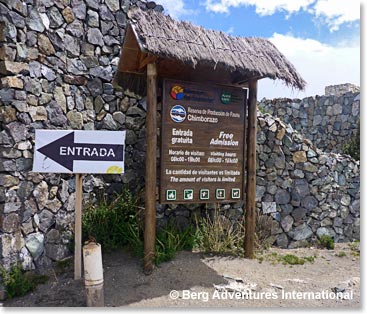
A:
[(68, 151), (78, 226), (250, 216), (150, 169)]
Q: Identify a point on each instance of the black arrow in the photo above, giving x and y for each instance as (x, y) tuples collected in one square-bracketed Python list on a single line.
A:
[(64, 151)]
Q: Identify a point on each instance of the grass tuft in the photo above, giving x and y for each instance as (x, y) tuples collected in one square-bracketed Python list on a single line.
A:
[(327, 242), (341, 254), (110, 223), (219, 235), (118, 224), (18, 283), (288, 259)]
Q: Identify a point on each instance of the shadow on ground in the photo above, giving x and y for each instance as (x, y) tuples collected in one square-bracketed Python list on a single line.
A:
[(124, 282)]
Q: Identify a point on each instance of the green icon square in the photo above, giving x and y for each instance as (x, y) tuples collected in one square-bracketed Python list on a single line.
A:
[(204, 194), (220, 194), (171, 195), (236, 193), (188, 194)]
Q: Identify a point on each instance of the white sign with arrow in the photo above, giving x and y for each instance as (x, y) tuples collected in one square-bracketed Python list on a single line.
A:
[(69, 151)]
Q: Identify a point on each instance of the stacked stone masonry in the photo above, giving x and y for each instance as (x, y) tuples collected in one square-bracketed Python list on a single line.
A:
[(309, 193), (57, 61), (341, 89), (328, 121)]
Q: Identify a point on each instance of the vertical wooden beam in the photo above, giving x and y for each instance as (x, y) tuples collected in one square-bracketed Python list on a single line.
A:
[(250, 217), (150, 169), (78, 226)]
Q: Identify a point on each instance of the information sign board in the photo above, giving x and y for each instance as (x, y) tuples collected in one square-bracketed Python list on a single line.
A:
[(202, 143)]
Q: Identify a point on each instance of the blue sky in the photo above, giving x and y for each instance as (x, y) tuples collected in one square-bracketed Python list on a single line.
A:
[(320, 37)]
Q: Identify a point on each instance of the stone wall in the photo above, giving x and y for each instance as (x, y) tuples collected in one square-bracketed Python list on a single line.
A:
[(328, 121), (308, 193), (341, 89), (57, 60)]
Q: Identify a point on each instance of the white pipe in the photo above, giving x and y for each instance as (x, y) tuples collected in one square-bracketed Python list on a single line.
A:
[(93, 274)]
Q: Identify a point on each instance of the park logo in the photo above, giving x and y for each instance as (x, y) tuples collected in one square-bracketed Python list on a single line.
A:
[(177, 92), (178, 113), (226, 97)]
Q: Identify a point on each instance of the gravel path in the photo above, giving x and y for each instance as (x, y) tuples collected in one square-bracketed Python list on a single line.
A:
[(203, 280)]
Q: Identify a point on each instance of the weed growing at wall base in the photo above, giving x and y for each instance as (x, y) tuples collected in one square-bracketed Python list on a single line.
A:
[(118, 223), (219, 235), (327, 242), (18, 282), (170, 240), (353, 148), (110, 223)]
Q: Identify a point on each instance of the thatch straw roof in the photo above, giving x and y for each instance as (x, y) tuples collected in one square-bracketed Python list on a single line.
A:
[(160, 35)]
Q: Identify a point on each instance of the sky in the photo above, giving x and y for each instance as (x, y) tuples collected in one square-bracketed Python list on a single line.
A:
[(321, 38)]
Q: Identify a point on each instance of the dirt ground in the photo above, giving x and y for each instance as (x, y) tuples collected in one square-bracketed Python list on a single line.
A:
[(204, 280)]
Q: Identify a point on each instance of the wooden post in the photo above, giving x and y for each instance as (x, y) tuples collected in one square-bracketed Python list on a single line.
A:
[(250, 217), (150, 169), (78, 226)]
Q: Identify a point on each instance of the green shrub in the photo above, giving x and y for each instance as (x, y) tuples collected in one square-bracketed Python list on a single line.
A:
[(117, 224), (219, 235), (135, 239), (353, 147), (110, 223), (18, 282), (170, 240), (327, 242)]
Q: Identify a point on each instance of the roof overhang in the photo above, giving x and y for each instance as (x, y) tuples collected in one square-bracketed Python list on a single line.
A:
[(134, 59), (184, 51)]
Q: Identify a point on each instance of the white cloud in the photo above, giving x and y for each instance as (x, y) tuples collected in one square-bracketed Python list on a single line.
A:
[(230, 30), (332, 12), (263, 7), (319, 64), (175, 8), (336, 13)]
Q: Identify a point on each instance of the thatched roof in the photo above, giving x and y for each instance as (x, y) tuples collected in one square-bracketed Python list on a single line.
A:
[(160, 35)]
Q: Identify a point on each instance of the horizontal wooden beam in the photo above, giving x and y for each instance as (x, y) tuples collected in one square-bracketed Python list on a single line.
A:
[(147, 59)]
